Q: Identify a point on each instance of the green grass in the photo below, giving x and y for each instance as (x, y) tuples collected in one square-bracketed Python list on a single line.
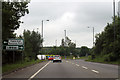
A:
[(11, 67), (71, 57), (83, 57), (67, 57), (100, 59)]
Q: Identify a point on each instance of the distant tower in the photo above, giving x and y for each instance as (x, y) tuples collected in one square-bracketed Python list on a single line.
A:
[(119, 8)]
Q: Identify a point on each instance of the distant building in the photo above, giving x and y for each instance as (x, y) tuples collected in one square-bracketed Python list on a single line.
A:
[(119, 8)]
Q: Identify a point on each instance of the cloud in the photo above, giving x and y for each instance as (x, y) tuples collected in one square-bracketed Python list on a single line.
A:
[(74, 17)]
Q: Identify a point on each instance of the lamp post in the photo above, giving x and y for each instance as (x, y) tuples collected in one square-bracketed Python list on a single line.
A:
[(65, 38), (93, 35), (42, 29), (114, 17)]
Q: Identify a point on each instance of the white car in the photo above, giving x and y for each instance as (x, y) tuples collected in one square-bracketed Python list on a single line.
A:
[(57, 58)]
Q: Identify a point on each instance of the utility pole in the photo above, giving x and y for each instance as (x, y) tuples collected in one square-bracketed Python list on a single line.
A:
[(93, 35), (65, 38), (119, 9), (114, 17), (114, 22), (42, 30), (56, 43)]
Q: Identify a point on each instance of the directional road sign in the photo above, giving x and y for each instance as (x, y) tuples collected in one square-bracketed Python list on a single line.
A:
[(13, 44), (9, 47)]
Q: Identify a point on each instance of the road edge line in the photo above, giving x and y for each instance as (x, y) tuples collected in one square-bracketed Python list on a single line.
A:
[(38, 71)]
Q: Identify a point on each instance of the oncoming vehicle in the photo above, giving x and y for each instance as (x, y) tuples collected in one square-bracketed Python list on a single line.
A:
[(57, 58)]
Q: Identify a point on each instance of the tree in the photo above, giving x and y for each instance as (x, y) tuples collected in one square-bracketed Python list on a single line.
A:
[(11, 14), (33, 40), (84, 50), (67, 47), (105, 44)]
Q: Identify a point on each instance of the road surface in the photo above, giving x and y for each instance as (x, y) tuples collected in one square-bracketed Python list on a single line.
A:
[(74, 69)]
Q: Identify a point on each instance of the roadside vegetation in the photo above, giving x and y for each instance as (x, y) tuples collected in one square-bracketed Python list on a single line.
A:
[(99, 59), (18, 65), (12, 12), (107, 46), (105, 50)]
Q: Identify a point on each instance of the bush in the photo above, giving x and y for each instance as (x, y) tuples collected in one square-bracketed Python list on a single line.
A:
[(27, 59), (110, 57)]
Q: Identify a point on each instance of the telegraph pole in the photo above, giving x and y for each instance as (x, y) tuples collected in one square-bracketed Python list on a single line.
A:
[(65, 37), (56, 43), (114, 17), (114, 22), (42, 30), (93, 36)]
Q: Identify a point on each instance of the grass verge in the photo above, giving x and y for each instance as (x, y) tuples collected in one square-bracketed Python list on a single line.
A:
[(100, 59), (11, 67), (67, 57), (71, 57)]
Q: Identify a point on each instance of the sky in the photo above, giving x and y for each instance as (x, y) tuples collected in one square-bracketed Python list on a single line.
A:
[(74, 16)]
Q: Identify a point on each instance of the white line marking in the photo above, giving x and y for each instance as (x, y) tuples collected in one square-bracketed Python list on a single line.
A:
[(95, 71), (66, 61), (84, 67), (38, 71), (0, 78), (77, 65)]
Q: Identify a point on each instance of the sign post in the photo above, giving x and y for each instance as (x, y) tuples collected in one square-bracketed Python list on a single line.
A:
[(14, 45)]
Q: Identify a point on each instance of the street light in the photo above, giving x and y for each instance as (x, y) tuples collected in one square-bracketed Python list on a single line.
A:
[(42, 30), (93, 35), (65, 38)]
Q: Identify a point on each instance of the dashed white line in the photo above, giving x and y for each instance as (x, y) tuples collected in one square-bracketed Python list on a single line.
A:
[(38, 71), (95, 71), (0, 78), (77, 65), (84, 67), (66, 61)]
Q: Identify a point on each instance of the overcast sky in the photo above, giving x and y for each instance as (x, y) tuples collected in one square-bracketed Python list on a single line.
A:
[(73, 16)]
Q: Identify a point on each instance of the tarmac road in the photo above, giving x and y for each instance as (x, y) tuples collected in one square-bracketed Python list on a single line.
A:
[(67, 69)]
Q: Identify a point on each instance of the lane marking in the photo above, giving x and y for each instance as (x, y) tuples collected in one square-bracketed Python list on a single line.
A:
[(38, 71), (1, 78), (95, 71), (77, 65), (84, 67), (66, 61)]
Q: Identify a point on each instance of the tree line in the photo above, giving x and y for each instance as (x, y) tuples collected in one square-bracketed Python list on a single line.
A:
[(67, 48), (107, 43), (11, 14)]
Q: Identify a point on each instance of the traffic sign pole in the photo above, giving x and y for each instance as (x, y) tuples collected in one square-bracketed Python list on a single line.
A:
[(13, 44), (13, 57)]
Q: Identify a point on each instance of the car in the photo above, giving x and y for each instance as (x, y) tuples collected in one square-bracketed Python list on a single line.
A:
[(50, 58), (57, 58)]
